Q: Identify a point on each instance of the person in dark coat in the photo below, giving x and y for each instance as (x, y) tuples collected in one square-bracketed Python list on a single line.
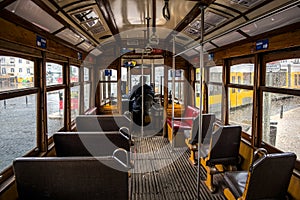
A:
[(136, 97)]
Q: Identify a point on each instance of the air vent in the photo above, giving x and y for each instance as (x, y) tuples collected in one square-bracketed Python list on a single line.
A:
[(247, 3), (89, 19)]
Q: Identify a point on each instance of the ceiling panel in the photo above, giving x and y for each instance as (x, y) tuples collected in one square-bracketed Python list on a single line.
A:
[(34, 14), (277, 20)]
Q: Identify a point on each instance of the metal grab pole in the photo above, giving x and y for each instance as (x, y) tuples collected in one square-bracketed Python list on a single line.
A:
[(201, 96), (142, 117), (173, 89)]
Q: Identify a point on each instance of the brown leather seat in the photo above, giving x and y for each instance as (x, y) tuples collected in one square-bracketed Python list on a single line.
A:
[(222, 153), (268, 178), (76, 178), (192, 136)]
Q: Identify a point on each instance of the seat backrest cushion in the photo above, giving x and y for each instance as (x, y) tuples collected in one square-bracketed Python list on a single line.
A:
[(77, 178), (89, 144), (190, 112), (270, 176), (95, 123), (225, 145), (207, 128)]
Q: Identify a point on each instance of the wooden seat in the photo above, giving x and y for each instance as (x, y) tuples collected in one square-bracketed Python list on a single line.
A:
[(76, 178), (268, 178), (98, 123), (222, 153), (192, 136)]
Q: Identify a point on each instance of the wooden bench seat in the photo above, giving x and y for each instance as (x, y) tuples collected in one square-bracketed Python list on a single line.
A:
[(99, 123), (89, 143), (76, 178)]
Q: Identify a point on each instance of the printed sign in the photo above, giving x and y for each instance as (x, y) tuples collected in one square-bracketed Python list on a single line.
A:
[(108, 72), (41, 42), (262, 44)]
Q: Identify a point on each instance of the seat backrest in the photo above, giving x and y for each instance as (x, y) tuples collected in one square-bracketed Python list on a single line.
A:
[(89, 144), (75, 178), (225, 145), (96, 123), (190, 112), (270, 176), (207, 128)]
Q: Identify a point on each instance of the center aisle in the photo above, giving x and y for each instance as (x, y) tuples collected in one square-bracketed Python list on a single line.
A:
[(161, 172)]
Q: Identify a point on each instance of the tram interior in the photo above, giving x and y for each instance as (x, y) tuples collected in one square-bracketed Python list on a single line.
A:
[(222, 121)]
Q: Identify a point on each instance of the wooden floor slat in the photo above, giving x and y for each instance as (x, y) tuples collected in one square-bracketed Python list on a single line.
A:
[(162, 172)]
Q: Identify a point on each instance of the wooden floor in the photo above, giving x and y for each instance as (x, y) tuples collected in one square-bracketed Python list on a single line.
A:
[(162, 172)]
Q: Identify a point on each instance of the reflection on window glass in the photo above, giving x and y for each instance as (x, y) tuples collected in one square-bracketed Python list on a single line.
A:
[(54, 73), (55, 109), (242, 74), (281, 116), (74, 74), (108, 75), (215, 93), (215, 74), (16, 75), (240, 106), (75, 96), (87, 93), (283, 74), (18, 128), (86, 74)]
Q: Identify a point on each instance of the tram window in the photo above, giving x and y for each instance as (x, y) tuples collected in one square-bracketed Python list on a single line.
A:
[(74, 74), (18, 128), (215, 74), (10, 78), (55, 111), (280, 73), (108, 93), (54, 73), (87, 95), (240, 106), (243, 72), (86, 72), (215, 93), (75, 101), (281, 121), (87, 88), (159, 80), (179, 85)]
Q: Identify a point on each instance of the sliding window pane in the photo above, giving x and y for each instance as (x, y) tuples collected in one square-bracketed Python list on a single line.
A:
[(215, 99), (74, 74), (87, 94), (281, 116), (18, 128), (75, 96), (283, 74), (15, 73), (242, 74), (54, 73), (240, 106), (55, 109)]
